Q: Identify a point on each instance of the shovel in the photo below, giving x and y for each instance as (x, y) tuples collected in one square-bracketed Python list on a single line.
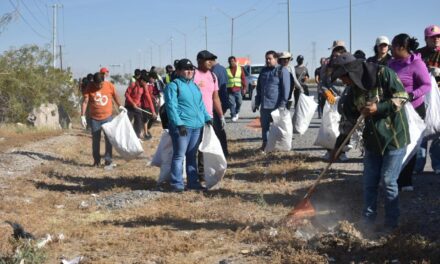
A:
[(304, 208)]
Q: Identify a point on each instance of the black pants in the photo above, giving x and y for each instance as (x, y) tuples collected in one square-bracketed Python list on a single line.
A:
[(137, 116), (220, 133), (297, 92), (405, 176)]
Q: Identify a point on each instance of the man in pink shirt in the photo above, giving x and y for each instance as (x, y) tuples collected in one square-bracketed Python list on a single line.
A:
[(207, 82)]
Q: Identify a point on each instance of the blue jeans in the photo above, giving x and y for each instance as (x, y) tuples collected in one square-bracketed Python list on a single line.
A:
[(185, 146), (387, 167), (434, 152), (235, 100), (96, 126), (265, 119)]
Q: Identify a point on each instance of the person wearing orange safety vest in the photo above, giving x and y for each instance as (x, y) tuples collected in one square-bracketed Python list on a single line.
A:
[(236, 87)]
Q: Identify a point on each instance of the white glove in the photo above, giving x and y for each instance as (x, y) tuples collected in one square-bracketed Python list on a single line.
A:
[(435, 71), (83, 121), (122, 109), (223, 120)]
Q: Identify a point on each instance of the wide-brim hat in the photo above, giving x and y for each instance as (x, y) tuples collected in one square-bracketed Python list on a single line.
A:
[(285, 55), (347, 64)]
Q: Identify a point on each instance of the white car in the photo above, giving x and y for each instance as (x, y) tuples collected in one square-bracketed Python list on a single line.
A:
[(252, 72)]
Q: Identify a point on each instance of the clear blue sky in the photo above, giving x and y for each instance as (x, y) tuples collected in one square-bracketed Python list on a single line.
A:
[(114, 32)]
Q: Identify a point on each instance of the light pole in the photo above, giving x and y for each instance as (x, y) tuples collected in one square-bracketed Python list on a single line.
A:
[(232, 25), (288, 25), (184, 39)]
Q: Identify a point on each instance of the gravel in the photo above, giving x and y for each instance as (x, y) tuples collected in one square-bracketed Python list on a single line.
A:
[(127, 199)]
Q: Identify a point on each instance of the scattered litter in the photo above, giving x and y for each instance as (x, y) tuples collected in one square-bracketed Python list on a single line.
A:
[(95, 195), (83, 205), (76, 260), (273, 232), (59, 206), (245, 251), (395, 261), (44, 241)]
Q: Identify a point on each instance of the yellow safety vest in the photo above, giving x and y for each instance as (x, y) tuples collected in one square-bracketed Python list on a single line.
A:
[(167, 78), (234, 81)]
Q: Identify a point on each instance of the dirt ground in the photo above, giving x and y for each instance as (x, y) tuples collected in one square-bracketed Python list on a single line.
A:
[(47, 185)]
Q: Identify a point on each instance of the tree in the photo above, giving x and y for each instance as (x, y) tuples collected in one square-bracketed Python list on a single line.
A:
[(28, 80)]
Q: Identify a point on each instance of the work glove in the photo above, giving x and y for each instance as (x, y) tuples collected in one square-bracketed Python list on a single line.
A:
[(223, 121), (209, 123), (122, 109), (83, 121), (330, 97), (182, 131)]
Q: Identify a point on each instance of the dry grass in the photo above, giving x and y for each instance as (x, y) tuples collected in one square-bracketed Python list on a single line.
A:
[(20, 135), (232, 223)]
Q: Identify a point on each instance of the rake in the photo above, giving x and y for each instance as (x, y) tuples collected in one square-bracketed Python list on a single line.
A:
[(305, 209)]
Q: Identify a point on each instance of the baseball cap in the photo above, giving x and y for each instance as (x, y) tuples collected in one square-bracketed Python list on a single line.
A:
[(337, 43), (382, 40), (103, 70), (206, 55), (185, 64), (432, 30), (285, 55)]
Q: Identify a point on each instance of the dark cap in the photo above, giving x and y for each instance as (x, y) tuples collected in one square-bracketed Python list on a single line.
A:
[(206, 55), (185, 64)]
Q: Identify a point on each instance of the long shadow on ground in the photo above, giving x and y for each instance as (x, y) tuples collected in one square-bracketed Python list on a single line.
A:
[(182, 224), (75, 184)]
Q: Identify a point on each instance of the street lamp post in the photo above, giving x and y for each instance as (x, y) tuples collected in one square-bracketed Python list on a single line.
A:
[(232, 25)]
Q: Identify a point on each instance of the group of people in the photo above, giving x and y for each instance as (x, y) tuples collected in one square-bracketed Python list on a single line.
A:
[(375, 89)]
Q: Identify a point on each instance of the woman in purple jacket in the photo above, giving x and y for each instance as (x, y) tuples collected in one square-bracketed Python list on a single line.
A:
[(415, 78)]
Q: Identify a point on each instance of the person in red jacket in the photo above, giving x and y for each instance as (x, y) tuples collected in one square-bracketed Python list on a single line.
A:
[(149, 103), (133, 96)]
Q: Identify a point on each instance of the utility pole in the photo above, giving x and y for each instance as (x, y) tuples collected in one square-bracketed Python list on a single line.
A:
[(54, 33), (350, 26), (232, 25), (61, 57), (206, 32), (288, 25)]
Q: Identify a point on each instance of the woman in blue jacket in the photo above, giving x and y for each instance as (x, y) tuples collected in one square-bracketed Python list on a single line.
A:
[(186, 116)]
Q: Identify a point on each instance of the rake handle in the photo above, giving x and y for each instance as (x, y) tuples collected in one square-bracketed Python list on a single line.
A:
[(338, 151)]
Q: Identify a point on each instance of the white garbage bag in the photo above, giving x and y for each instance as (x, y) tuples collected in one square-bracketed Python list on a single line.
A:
[(122, 136), (163, 157), (416, 127), (432, 119), (280, 132), (214, 161), (329, 130), (304, 111)]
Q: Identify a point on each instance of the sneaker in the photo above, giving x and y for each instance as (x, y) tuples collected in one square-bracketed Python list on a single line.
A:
[(235, 118), (343, 157), (348, 147), (147, 136), (407, 188), (326, 155), (96, 164)]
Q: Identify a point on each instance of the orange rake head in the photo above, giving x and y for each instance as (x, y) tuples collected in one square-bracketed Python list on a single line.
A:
[(304, 209)]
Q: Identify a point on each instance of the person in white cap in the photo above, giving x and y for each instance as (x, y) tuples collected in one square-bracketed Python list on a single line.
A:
[(284, 60), (381, 51)]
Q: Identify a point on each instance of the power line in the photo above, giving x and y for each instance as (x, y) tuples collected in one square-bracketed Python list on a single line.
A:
[(333, 9), (26, 22), (32, 14)]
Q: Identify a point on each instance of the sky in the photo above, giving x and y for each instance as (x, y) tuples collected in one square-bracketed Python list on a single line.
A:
[(130, 34)]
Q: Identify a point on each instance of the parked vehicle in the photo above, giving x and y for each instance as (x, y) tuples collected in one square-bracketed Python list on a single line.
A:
[(252, 71)]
